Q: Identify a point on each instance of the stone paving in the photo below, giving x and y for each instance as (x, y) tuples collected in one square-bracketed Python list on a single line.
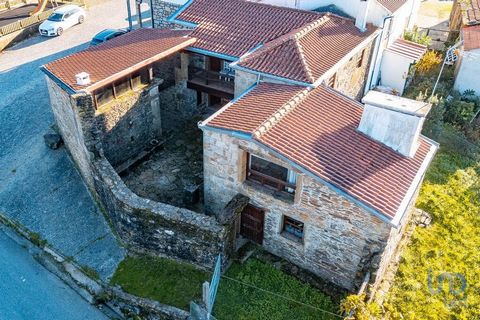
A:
[(165, 174), (40, 188)]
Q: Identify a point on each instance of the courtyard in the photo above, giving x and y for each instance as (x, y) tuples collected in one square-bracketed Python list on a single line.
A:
[(173, 173)]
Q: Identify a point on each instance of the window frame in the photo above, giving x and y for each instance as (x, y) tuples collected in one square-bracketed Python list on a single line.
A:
[(263, 179), (293, 229)]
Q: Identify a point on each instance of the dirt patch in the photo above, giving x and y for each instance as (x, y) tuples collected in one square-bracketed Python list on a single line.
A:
[(173, 174)]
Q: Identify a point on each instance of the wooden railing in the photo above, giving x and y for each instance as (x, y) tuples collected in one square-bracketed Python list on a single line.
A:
[(267, 180), (207, 77), (26, 22)]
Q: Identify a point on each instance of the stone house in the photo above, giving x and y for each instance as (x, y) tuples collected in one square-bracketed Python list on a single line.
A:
[(331, 182), (279, 110)]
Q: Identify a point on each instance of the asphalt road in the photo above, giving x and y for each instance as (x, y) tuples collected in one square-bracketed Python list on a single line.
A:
[(29, 291)]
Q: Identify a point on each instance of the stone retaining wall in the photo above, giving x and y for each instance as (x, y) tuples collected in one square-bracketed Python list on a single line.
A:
[(160, 229)]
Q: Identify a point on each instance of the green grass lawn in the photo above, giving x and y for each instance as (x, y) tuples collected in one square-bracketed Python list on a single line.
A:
[(243, 302), (451, 194), (177, 284), (160, 279)]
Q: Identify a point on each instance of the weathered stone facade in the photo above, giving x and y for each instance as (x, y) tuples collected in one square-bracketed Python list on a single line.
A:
[(161, 11), (158, 228), (120, 130), (244, 81), (340, 237), (351, 78)]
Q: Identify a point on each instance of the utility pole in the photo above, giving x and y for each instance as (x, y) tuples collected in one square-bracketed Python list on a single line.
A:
[(139, 12), (129, 11)]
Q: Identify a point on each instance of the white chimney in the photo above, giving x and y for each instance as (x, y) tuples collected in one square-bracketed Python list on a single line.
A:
[(83, 78), (394, 121), (362, 14)]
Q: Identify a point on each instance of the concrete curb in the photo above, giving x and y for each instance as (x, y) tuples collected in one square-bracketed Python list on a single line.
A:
[(112, 301)]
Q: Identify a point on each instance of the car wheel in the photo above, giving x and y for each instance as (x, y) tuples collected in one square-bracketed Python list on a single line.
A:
[(59, 31), (81, 19)]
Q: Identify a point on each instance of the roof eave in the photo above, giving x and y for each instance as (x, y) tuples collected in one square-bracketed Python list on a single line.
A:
[(404, 206)]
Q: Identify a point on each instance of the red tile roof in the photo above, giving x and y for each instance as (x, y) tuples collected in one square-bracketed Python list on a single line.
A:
[(233, 27), (471, 11), (318, 130), (471, 37), (129, 52), (305, 54), (392, 5), (408, 49)]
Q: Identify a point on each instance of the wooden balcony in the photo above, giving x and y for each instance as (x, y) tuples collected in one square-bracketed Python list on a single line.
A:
[(216, 83)]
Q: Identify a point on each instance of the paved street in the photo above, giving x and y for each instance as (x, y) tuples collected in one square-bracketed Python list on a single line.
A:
[(29, 291), (40, 188)]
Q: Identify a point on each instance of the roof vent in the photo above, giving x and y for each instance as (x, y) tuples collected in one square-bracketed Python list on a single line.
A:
[(83, 78)]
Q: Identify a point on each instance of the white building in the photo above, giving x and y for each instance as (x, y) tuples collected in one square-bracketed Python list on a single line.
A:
[(468, 67)]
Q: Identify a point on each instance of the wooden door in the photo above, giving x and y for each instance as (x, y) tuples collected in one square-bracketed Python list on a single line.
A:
[(251, 224)]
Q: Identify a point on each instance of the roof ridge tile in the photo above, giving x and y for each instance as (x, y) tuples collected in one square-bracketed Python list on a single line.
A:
[(281, 113)]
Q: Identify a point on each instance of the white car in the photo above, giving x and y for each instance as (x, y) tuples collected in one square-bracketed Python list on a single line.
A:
[(62, 19)]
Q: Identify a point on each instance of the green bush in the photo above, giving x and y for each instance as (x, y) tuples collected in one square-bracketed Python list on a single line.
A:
[(418, 37)]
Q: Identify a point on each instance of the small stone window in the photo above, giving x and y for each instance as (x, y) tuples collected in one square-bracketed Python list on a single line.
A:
[(293, 229), (271, 175)]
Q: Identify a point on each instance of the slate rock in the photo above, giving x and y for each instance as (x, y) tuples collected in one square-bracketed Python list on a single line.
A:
[(53, 140)]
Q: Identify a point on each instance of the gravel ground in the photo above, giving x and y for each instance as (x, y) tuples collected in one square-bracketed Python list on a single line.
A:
[(39, 187)]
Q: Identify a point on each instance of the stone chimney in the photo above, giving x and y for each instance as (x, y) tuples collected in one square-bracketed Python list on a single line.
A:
[(362, 14), (393, 121)]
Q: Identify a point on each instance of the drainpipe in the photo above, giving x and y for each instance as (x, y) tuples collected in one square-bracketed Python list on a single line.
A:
[(129, 12), (375, 60)]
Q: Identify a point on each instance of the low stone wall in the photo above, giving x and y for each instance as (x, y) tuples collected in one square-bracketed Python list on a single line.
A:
[(160, 229)]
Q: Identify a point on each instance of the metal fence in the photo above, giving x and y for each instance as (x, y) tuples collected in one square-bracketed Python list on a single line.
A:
[(26, 22)]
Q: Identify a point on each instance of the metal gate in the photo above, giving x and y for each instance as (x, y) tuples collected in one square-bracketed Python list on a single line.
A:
[(252, 221)]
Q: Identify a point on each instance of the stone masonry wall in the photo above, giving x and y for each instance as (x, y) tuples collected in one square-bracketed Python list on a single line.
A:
[(338, 235), (161, 11), (243, 81), (71, 128), (128, 124), (351, 79), (158, 228)]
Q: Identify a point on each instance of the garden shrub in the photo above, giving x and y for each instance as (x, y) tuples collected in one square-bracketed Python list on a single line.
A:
[(418, 37), (428, 62)]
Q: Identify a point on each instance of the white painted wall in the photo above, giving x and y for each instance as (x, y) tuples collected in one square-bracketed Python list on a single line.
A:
[(394, 71), (468, 72)]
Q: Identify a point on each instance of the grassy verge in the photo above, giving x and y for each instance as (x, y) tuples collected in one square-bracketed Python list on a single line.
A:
[(242, 293), (449, 247), (160, 279)]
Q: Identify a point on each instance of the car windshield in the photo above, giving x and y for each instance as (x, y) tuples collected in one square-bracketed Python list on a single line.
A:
[(55, 17)]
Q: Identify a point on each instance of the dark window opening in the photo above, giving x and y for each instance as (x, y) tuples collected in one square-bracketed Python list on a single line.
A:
[(293, 228), (271, 174), (103, 95), (360, 59), (122, 86)]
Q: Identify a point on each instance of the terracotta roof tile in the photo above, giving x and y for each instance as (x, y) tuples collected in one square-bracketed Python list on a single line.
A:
[(392, 5), (110, 58), (233, 27), (471, 11), (307, 53), (471, 37), (320, 134), (408, 49)]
